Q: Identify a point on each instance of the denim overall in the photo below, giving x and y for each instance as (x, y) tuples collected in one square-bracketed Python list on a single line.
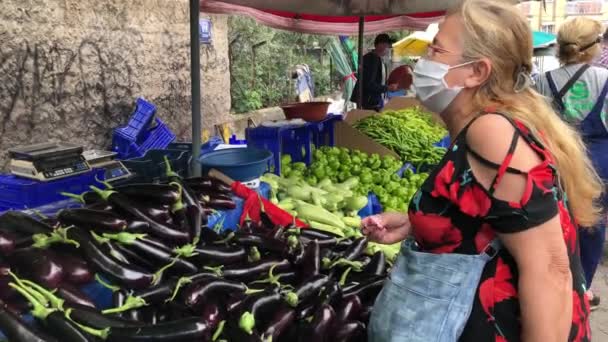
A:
[(428, 297), (595, 136)]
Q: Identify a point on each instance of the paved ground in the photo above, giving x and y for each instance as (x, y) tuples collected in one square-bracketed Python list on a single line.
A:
[(599, 318)]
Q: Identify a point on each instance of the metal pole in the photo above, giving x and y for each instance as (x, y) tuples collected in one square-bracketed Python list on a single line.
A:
[(195, 77), (360, 71)]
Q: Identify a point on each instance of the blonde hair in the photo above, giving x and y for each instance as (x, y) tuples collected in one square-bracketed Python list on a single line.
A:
[(500, 33), (578, 39)]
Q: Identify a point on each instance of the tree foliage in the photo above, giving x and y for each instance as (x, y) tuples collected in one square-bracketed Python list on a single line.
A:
[(261, 60)]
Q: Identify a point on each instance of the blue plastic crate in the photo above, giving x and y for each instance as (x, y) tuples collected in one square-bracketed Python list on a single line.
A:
[(22, 193), (322, 133), (445, 142), (292, 140), (158, 138), (139, 123), (151, 168)]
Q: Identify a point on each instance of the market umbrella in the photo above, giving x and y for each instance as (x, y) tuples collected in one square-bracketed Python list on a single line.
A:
[(343, 67), (542, 39)]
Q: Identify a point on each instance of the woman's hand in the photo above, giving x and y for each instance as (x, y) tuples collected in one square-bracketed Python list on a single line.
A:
[(386, 228)]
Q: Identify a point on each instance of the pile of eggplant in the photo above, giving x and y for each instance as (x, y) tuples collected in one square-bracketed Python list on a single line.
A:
[(173, 278)]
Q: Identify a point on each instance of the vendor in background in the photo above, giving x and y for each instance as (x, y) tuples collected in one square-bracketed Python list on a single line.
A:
[(490, 251), (374, 76), (578, 92)]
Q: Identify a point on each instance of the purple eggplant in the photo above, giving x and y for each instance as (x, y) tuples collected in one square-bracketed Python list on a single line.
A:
[(365, 314), (135, 226), (72, 294), (218, 202), (352, 331), (279, 323), (125, 254), (367, 291), (8, 242), (195, 215), (305, 311), (219, 255), (159, 255), (187, 329), (310, 264), (39, 265), (95, 319), (99, 256), (15, 330), (101, 221), (310, 288), (263, 243), (62, 328), (140, 212), (258, 308), (196, 293), (207, 185), (211, 313), (349, 309), (332, 293), (356, 249), (160, 193), (18, 222), (252, 271), (321, 324), (75, 269)]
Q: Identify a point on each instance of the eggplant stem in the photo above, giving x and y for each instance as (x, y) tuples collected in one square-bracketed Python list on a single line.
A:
[(344, 276), (272, 279), (249, 291), (159, 274), (58, 235), (130, 303), (105, 183), (39, 214), (79, 198), (356, 265), (254, 254), (100, 333), (124, 237), (186, 251), (247, 322), (168, 170), (229, 237), (99, 239), (105, 194), (292, 299), (218, 229), (55, 301), (37, 295), (218, 331), (217, 270), (105, 284), (38, 309), (180, 282)]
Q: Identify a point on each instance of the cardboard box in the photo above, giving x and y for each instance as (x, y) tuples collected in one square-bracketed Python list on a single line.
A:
[(347, 136)]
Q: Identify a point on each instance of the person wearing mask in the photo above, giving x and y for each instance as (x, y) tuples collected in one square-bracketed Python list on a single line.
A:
[(490, 249), (374, 75), (578, 91)]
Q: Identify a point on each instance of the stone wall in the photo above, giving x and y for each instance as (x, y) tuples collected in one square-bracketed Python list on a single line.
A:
[(71, 69)]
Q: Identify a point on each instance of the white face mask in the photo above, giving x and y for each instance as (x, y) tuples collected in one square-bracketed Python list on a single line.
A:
[(431, 88)]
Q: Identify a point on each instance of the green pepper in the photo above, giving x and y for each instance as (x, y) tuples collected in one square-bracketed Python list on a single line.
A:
[(285, 159), (299, 166), (366, 177), (318, 172), (312, 180), (355, 160)]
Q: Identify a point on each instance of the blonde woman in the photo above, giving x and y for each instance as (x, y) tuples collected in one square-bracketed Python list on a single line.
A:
[(490, 250), (578, 92)]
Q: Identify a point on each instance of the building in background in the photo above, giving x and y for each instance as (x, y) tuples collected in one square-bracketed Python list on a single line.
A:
[(548, 18)]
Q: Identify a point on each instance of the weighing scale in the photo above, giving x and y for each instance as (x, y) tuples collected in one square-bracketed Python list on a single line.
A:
[(114, 169), (48, 161)]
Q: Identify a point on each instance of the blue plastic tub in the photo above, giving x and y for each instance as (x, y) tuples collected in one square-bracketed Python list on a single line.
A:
[(241, 164)]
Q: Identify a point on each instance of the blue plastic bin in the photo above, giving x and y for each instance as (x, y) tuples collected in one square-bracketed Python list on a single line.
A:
[(241, 164), (22, 193), (157, 138), (296, 141), (151, 168), (140, 121)]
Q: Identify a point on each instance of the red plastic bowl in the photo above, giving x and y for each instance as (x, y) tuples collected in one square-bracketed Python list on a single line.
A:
[(307, 111)]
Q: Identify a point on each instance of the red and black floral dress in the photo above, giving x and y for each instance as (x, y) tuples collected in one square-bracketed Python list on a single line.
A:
[(454, 213)]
